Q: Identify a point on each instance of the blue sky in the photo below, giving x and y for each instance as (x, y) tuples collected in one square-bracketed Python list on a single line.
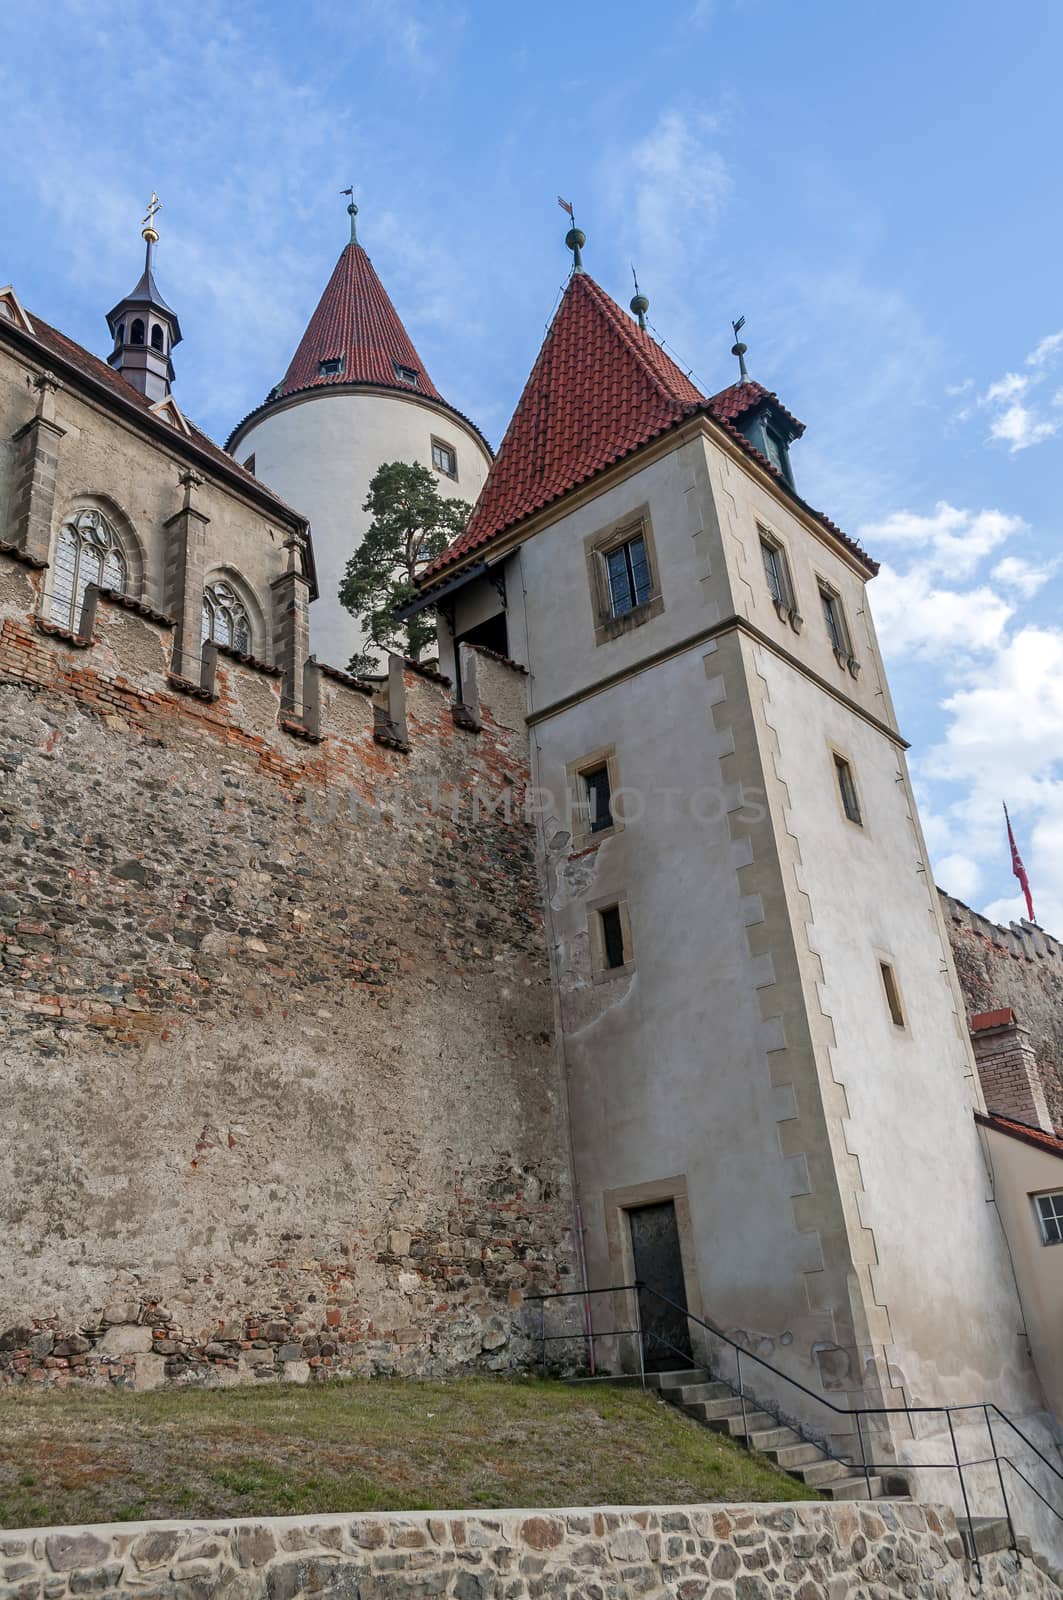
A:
[(870, 185)]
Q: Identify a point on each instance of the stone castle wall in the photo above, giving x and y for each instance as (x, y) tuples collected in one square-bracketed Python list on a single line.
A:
[(750, 1552), (281, 1093), (1019, 966)]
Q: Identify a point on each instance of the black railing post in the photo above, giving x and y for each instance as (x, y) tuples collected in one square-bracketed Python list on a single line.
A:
[(863, 1455), (1003, 1491), (542, 1333), (638, 1335), (742, 1393), (972, 1536)]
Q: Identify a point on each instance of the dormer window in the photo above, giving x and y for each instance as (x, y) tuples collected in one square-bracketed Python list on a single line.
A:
[(332, 368), (406, 375)]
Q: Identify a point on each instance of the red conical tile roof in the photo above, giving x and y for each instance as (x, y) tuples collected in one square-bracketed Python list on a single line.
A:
[(356, 324), (600, 388)]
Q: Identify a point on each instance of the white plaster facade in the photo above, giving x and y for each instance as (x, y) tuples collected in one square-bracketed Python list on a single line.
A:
[(319, 449)]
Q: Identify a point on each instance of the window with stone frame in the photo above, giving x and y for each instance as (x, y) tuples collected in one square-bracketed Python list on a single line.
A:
[(226, 617), (1050, 1216), (88, 550)]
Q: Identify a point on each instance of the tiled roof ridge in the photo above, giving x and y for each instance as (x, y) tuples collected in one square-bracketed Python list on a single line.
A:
[(738, 398), (53, 342)]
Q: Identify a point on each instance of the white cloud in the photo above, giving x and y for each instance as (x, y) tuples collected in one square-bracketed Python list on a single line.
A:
[(914, 617), (1011, 400), (1023, 576), (949, 540), (681, 181)]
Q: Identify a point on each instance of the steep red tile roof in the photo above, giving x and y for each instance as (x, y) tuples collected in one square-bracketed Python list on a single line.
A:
[(599, 388), (355, 323), (1051, 1143), (738, 399), (75, 355)]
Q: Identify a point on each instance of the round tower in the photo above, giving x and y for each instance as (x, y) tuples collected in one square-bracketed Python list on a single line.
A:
[(355, 395)]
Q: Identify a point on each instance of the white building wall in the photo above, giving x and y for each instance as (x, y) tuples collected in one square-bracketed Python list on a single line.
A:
[(319, 451)]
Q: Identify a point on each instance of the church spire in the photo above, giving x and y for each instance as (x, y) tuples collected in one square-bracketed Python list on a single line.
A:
[(355, 336), (143, 326)]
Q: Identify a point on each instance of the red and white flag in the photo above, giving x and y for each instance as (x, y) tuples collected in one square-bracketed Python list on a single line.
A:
[(1018, 869), (566, 205)]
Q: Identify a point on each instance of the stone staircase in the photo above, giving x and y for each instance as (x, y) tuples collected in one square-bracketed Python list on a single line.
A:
[(694, 1392)]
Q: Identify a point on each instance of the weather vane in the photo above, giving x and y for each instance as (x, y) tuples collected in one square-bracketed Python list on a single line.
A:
[(352, 211), (148, 228), (575, 238), (739, 349)]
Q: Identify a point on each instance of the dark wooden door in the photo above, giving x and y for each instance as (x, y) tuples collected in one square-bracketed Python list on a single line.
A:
[(659, 1266)]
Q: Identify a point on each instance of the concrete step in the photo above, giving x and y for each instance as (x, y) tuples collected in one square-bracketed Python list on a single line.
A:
[(821, 1472), (987, 1535), (853, 1488), (711, 1410), (770, 1440), (689, 1393), (799, 1454), (675, 1380), (737, 1427)]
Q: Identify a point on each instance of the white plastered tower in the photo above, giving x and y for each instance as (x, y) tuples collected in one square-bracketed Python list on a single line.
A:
[(355, 395)]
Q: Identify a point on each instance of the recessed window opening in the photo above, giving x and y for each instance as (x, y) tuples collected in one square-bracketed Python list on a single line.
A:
[(330, 368), (156, 336), (847, 790), (832, 616), (444, 458), (136, 332), (775, 572), (598, 797), (225, 617), (407, 375), (120, 335), (88, 550), (893, 993), (628, 571), (1050, 1216), (612, 937)]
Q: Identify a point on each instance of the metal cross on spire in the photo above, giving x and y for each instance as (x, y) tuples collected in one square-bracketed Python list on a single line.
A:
[(148, 228)]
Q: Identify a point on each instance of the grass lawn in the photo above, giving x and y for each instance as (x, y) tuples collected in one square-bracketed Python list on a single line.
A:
[(374, 1445)]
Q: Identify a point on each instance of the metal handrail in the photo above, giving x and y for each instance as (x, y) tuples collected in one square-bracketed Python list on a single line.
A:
[(854, 1413)]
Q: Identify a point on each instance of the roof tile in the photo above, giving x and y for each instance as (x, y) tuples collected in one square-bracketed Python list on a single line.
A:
[(355, 323), (1052, 1143)]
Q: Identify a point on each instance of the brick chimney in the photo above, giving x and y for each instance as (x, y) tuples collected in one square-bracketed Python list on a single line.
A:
[(1007, 1066)]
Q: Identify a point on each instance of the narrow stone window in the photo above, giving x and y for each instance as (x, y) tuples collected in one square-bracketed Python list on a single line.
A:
[(598, 798), (776, 572), (226, 619), (1050, 1216), (88, 550), (612, 937), (893, 994), (847, 790)]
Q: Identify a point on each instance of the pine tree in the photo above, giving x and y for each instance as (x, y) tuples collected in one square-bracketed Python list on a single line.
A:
[(411, 522)]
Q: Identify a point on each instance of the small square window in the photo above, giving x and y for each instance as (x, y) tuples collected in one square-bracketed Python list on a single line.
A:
[(893, 994), (847, 790), (628, 572), (331, 368), (598, 797), (1050, 1216), (406, 375), (612, 937), (444, 458)]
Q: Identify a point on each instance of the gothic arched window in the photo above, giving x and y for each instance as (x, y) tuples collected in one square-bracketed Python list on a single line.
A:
[(136, 332), (156, 336), (226, 619), (120, 336), (88, 550)]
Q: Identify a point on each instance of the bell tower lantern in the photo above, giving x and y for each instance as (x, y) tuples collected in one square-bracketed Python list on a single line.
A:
[(143, 327)]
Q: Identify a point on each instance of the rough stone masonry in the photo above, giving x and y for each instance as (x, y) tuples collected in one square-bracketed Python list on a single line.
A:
[(281, 1095), (750, 1552)]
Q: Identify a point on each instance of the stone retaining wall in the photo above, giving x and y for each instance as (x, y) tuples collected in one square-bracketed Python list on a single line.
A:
[(753, 1552)]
